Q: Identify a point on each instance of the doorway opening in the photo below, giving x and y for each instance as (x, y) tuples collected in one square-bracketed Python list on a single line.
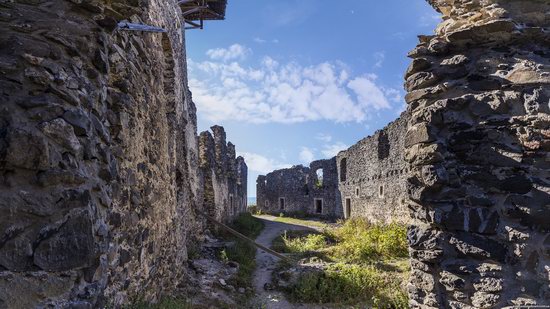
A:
[(348, 208), (282, 203), (318, 206)]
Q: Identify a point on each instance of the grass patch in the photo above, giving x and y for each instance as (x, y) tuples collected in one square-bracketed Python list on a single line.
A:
[(301, 242), (248, 225), (350, 284), (302, 222), (367, 264), (358, 241), (242, 251)]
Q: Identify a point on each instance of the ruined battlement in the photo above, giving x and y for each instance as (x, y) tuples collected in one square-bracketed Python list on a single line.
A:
[(309, 190), (366, 180), (224, 177)]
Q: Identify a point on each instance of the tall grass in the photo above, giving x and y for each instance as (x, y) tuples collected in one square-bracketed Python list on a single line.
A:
[(242, 251), (370, 264), (359, 241), (350, 284)]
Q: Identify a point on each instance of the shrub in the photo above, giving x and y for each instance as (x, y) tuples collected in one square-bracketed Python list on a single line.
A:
[(359, 241), (247, 225), (299, 242), (242, 251), (344, 283)]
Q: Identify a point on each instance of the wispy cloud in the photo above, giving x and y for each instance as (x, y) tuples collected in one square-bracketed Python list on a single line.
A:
[(263, 41), (323, 137), (379, 57), (331, 150), (233, 52), (283, 92), (286, 13), (261, 164), (306, 155)]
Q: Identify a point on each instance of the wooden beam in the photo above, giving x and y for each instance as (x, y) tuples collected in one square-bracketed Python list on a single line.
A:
[(194, 10), (138, 27), (241, 236)]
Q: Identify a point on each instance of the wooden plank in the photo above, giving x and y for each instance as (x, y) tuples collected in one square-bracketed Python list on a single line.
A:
[(241, 236)]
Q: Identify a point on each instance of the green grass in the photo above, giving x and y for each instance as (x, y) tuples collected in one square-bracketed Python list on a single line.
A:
[(350, 284), (301, 242), (242, 251), (359, 241), (302, 222), (367, 264)]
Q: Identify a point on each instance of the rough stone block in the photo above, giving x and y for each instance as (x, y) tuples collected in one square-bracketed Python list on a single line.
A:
[(71, 245)]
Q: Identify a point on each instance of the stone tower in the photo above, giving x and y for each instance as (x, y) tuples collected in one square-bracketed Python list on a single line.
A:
[(478, 145)]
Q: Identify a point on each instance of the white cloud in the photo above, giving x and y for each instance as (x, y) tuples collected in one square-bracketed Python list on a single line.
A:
[(323, 137), (284, 92), (233, 52), (261, 164), (379, 57), (332, 150), (306, 155), (368, 93), (262, 41)]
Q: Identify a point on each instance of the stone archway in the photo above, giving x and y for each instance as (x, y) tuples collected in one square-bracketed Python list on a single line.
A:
[(477, 147)]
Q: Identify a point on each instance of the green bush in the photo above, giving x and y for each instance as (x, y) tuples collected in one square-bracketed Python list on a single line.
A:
[(359, 241), (344, 283), (299, 242), (371, 264), (248, 225), (242, 251), (254, 209)]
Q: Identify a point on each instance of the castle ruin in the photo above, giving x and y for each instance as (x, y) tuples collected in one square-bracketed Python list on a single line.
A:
[(102, 171)]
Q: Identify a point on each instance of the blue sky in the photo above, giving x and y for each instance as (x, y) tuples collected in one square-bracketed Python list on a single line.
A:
[(298, 80)]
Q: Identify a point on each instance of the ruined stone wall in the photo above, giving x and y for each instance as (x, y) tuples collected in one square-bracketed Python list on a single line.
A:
[(98, 154), (478, 144), (371, 175), (224, 177), (300, 187)]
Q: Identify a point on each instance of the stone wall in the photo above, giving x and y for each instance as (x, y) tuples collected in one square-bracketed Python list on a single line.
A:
[(225, 177), (478, 145), (371, 175), (98, 154), (301, 190)]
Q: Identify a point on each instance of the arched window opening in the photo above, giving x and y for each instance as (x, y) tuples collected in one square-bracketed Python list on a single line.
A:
[(319, 176)]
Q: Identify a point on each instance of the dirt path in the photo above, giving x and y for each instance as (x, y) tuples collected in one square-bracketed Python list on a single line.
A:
[(266, 263)]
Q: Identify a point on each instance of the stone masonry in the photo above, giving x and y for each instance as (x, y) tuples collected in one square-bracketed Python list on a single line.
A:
[(478, 147), (225, 177), (299, 189), (366, 180), (371, 175), (99, 156)]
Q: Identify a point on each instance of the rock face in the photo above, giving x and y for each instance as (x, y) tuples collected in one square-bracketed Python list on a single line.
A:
[(371, 175), (478, 148), (99, 165), (307, 190), (225, 177)]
